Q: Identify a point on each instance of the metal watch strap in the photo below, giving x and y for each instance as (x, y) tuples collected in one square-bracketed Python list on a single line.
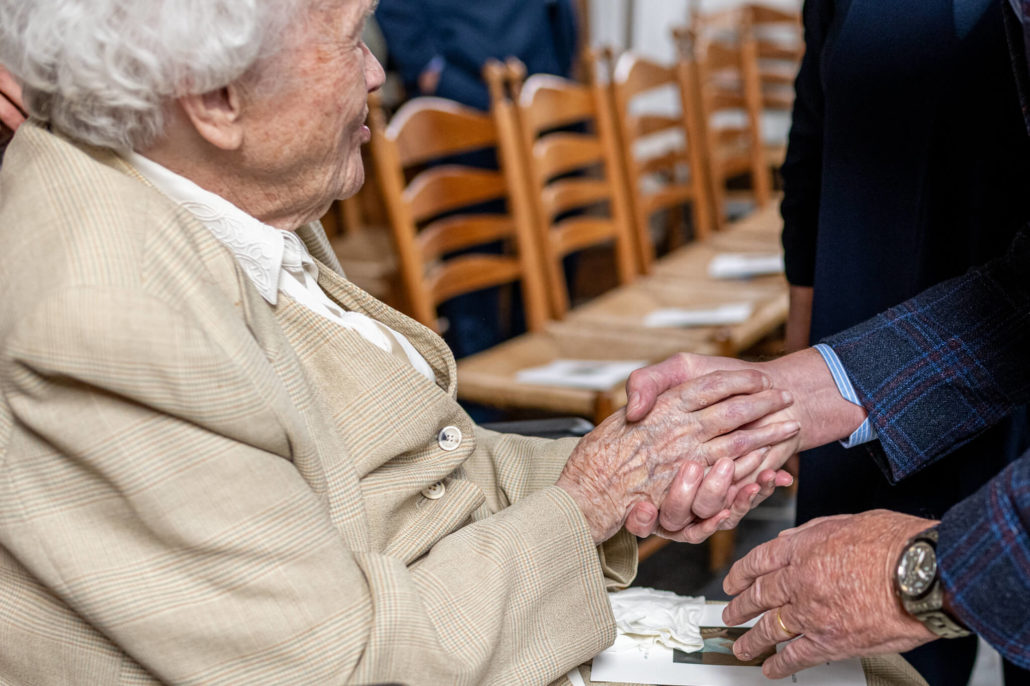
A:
[(928, 609)]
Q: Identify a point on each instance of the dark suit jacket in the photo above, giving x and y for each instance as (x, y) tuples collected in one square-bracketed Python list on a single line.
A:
[(541, 33), (908, 163)]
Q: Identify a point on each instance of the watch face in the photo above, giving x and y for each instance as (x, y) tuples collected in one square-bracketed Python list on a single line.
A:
[(917, 569)]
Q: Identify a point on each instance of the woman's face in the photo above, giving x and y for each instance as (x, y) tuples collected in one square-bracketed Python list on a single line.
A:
[(305, 132)]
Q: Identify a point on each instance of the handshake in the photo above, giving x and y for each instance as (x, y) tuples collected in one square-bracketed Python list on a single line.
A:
[(700, 443)]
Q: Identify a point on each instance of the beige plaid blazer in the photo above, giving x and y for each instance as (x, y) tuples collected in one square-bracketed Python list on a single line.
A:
[(197, 487)]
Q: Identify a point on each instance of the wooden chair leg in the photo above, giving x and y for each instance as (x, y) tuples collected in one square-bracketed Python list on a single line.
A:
[(649, 546), (720, 549)]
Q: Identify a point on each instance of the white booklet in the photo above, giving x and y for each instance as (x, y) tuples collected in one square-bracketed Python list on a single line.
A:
[(713, 665), (744, 265), (594, 375), (676, 317)]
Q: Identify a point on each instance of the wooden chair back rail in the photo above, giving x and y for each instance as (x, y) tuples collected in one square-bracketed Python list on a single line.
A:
[(470, 273), (719, 100), (572, 194), (767, 14), (549, 102), (443, 189), (641, 126), (670, 196), (635, 74), (576, 233), (728, 137), (436, 127), (450, 234), (772, 50), (778, 101), (561, 153), (670, 162), (718, 56)]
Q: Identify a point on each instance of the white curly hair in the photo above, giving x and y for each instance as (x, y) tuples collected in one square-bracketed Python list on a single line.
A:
[(103, 71)]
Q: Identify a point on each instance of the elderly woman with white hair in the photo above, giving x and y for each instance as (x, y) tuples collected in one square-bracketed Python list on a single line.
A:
[(225, 463)]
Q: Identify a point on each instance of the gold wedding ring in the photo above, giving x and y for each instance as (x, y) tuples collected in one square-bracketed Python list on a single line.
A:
[(784, 626)]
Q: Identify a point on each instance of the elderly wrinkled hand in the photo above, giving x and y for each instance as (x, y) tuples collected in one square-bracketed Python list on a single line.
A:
[(818, 407), (830, 584), (12, 110), (700, 422)]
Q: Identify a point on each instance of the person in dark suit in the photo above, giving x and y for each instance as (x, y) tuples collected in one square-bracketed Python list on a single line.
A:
[(440, 46), (927, 377), (907, 164)]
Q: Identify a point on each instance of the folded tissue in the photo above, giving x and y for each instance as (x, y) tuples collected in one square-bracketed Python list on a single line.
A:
[(744, 265), (645, 617)]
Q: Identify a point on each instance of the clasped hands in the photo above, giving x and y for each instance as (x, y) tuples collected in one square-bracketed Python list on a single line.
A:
[(826, 586), (704, 451)]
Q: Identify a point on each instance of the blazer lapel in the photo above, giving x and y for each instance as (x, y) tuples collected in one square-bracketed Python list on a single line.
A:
[(432, 347)]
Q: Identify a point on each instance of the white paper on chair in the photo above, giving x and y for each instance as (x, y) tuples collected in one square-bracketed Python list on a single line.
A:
[(711, 666), (594, 375), (723, 315), (743, 265)]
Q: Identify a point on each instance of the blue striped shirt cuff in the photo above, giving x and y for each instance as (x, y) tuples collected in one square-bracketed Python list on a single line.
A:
[(864, 433)]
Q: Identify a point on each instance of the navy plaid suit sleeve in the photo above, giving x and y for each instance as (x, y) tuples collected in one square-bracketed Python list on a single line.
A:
[(937, 370), (933, 373), (984, 558)]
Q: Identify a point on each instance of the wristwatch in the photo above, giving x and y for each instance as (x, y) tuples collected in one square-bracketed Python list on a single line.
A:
[(917, 582)]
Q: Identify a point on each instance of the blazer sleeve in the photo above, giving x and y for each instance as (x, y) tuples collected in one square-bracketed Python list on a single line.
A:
[(937, 370), (802, 167), (984, 557), (509, 468), (148, 486)]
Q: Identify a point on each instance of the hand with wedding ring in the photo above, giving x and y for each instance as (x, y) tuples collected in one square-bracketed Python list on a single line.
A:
[(828, 585)]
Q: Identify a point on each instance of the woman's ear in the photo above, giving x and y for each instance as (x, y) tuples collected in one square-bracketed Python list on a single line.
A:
[(216, 116)]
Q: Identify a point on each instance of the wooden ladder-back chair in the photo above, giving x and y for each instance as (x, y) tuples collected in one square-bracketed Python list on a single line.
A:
[(424, 203), (780, 45), (569, 148), (662, 151), (437, 216), (729, 95)]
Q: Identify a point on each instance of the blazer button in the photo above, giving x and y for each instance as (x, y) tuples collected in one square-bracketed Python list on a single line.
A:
[(434, 492), (449, 438)]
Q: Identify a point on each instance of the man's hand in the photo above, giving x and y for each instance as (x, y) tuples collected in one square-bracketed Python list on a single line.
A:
[(618, 464), (12, 110), (824, 416), (829, 582)]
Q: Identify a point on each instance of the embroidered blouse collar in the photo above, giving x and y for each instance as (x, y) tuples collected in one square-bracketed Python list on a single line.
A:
[(259, 249)]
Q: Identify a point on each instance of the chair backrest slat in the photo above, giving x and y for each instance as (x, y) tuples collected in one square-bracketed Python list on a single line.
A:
[(441, 200)]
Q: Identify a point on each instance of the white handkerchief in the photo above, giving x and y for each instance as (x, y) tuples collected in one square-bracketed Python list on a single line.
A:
[(742, 266), (674, 317), (645, 617), (595, 375)]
